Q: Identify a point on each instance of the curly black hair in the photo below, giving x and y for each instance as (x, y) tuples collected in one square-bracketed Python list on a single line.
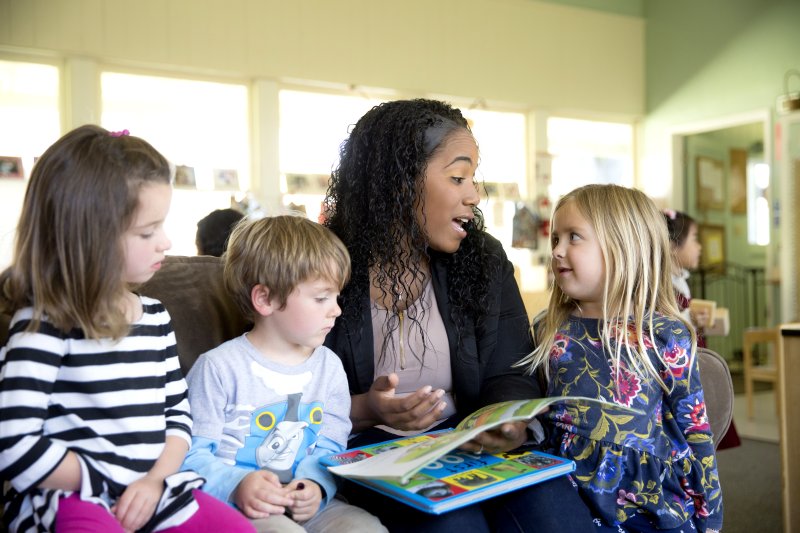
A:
[(371, 203)]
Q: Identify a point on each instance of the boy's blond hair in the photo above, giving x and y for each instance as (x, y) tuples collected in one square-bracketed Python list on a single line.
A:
[(281, 252), (638, 275)]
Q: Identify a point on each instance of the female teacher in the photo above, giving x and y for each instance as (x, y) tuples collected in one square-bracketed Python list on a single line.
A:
[(432, 319)]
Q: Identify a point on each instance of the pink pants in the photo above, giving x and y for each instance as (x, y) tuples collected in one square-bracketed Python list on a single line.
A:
[(77, 516)]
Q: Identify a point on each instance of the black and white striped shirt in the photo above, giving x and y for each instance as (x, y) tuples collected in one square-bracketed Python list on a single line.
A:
[(113, 403)]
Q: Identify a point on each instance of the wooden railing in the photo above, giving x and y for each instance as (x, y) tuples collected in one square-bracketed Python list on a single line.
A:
[(743, 291)]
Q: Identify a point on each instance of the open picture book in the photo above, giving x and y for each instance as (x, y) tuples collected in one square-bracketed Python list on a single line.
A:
[(719, 323), (429, 472)]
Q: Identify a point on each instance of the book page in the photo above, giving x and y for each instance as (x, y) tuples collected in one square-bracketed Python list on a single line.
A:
[(403, 462), (709, 306)]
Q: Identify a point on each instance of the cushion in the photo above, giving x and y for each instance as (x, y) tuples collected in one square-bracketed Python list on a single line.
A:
[(718, 390), (203, 313)]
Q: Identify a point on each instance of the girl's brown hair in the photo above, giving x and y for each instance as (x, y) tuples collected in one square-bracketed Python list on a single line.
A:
[(68, 254)]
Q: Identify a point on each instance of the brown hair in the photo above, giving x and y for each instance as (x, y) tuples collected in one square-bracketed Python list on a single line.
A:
[(68, 254), (280, 253)]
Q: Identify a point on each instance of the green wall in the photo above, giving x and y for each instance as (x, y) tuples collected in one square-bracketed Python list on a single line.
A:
[(710, 59)]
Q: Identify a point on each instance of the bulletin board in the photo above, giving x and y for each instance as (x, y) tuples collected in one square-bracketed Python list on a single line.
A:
[(709, 175)]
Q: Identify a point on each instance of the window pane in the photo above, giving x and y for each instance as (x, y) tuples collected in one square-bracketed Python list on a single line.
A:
[(312, 128), (586, 151), (198, 124), (501, 138), (29, 114)]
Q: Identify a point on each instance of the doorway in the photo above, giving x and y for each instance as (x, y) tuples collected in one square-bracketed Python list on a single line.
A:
[(722, 178)]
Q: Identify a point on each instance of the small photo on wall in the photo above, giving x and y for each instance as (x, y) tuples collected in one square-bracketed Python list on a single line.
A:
[(226, 179), (184, 177), (307, 183), (11, 167)]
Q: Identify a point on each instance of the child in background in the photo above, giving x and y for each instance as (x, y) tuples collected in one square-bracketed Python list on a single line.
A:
[(214, 229), (612, 330), (269, 403), (95, 419), (686, 250)]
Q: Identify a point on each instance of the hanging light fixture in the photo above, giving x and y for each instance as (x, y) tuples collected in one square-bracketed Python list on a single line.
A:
[(789, 101)]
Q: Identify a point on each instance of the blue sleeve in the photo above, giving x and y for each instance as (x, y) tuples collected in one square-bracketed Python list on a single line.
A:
[(310, 468), (221, 478), (684, 402)]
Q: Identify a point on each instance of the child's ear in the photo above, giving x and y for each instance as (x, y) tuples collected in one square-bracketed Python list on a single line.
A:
[(259, 297)]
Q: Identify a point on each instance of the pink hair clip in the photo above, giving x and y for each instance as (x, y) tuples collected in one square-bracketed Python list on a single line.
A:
[(119, 133), (670, 213)]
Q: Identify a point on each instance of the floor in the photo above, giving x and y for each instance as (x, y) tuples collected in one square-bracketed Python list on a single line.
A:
[(764, 423), (750, 473)]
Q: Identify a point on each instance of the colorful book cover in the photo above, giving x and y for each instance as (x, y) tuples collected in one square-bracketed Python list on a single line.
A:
[(457, 478), (402, 462)]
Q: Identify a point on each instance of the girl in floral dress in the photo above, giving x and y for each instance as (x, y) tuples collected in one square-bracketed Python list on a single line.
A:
[(612, 330)]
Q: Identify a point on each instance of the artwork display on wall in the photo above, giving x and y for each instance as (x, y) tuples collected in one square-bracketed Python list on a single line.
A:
[(307, 183), (184, 177), (11, 167), (226, 179), (712, 238), (709, 174), (738, 181)]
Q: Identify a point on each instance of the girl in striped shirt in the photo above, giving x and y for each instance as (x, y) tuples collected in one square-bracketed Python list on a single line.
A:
[(94, 417)]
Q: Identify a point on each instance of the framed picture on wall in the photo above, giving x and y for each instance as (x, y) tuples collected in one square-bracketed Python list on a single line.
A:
[(11, 167), (307, 183), (709, 175), (712, 238), (226, 179), (184, 177), (738, 181)]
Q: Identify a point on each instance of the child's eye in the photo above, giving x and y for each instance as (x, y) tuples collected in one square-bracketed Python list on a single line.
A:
[(574, 236), (458, 179), (147, 235)]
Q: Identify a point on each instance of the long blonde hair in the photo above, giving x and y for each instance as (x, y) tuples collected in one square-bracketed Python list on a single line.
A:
[(638, 285)]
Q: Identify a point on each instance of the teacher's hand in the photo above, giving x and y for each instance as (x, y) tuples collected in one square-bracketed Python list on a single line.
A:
[(502, 438), (413, 412)]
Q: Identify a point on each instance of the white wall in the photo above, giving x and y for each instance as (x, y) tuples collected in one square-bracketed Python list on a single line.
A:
[(515, 54), (522, 52)]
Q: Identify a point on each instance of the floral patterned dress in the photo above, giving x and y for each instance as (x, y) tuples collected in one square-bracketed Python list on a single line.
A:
[(661, 463)]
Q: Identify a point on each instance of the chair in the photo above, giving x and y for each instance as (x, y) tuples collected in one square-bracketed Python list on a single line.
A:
[(753, 372), (718, 389)]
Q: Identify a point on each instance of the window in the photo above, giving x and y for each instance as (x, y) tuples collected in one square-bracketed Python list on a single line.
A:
[(758, 203), (501, 138), (29, 113), (200, 126), (586, 151), (312, 128)]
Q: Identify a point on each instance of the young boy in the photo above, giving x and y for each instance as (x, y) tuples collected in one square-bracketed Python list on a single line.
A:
[(266, 405)]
